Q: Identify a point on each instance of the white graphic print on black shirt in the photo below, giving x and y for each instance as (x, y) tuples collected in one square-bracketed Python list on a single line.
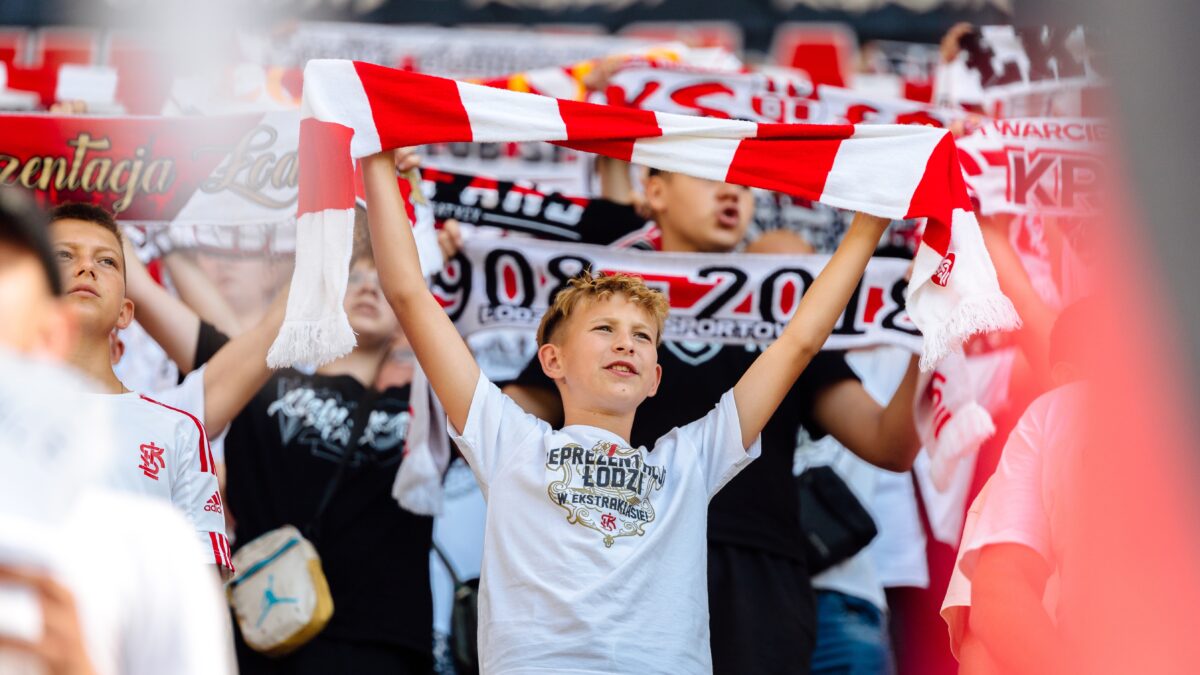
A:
[(324, 425), (594, 551), (284, 449)]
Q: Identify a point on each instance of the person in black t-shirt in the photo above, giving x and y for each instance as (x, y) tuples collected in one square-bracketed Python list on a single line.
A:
[(761, 607), (281, 453)]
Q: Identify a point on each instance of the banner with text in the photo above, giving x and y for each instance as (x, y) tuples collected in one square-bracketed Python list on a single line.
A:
[(1051, 166), (509, 283)]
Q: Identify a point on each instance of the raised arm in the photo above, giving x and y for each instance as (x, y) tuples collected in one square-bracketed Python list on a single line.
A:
[(1037, 318), (172, 324), (435, 341), (239, 369), (762, 388), (883, 436), (199, 292)]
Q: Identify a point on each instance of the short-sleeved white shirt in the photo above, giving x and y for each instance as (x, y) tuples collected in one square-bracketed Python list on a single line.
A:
[(162, 452), (594, 556), (1025, 504)]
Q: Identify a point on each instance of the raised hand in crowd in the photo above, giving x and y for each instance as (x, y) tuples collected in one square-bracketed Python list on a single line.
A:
[(201, 294), (950, 46), (236, 371), (1037, 317), (444, 356), (450, 238)]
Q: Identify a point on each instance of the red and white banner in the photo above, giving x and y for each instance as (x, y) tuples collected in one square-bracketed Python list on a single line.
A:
[(1049, 166), (212, 170), (777, 97), (898, 171)]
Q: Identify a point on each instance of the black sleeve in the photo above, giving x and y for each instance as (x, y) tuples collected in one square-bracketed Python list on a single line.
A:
[(604, 222), (532, 375), (208, 343), (827, 368)]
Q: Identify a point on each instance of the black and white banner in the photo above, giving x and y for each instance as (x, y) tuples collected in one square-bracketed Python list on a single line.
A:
[(499, 282)]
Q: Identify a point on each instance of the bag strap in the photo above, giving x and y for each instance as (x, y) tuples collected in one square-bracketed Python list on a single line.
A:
[(446, 561), (361, 412)]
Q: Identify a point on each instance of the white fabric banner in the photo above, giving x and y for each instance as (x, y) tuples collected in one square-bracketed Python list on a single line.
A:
[(729, 298)]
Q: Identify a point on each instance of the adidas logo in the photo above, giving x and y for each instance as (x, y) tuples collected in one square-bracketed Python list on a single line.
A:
[(214, 503)]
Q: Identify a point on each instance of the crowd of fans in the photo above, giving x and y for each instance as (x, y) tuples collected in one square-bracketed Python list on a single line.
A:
[(138, 408)]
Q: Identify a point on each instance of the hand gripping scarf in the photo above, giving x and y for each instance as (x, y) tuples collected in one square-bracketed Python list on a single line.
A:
[(353, 109)]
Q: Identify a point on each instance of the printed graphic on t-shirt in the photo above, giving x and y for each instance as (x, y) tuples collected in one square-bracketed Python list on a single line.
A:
[(152, 460), (606, 488), (322, 421)]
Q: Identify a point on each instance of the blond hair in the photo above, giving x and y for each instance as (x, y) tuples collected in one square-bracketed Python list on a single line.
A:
[(586, 287)]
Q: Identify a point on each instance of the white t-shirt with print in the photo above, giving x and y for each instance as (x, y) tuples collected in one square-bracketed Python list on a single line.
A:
[(594, 556), (162, 452)]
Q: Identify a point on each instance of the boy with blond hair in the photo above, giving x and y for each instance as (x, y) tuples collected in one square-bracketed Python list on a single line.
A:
[(594, 550)]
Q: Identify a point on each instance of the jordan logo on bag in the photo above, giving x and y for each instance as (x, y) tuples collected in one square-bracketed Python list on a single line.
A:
[(270, 600)]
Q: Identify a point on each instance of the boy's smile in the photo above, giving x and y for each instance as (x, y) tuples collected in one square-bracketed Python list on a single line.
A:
[(622, 369)]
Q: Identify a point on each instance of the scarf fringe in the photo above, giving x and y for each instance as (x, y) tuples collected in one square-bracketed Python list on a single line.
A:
[(312, 342), (977, 314)]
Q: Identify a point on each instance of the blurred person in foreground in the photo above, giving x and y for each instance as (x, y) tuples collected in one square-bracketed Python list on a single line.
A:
[(91, 580), (1014, 557)]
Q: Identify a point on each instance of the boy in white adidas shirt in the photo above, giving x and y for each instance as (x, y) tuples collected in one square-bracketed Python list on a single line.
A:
[(162, 451), (594, 551)]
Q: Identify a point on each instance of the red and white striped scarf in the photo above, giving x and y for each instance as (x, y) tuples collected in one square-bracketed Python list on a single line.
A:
[(353, 109)]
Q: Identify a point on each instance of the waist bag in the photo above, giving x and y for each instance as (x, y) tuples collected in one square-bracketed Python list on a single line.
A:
[(280, 596), (835, 524)]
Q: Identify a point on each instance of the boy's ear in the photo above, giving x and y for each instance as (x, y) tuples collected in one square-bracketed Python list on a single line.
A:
[(550, 356), (655, 189), (125, 317), (657, 380)]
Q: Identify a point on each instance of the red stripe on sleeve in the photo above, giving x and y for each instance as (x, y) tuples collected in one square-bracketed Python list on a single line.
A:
[(941, 190), (413, 109), (795, 167), (326, 169), (206, 461), (218, 558), (220, 547)]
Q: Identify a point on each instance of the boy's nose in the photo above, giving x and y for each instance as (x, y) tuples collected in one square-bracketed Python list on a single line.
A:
[(85, 266)]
